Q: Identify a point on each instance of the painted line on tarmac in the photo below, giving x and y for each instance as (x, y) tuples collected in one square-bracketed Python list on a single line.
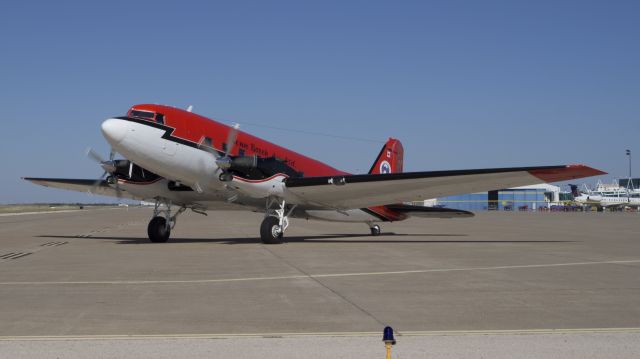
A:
[(318, 334), (336, 275), (11, 214), (41, 212)]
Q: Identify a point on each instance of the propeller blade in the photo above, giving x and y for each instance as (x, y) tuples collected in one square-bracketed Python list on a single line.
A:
[(206, 146), (231, 139), (109, 166), (94, 155), (118, 190), (95, 184)]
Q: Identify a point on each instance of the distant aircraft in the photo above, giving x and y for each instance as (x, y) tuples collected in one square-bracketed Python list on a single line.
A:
[(600, 201), (177, 158)]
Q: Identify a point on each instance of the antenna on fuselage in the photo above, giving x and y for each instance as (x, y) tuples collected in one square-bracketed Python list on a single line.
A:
[(190, 108)]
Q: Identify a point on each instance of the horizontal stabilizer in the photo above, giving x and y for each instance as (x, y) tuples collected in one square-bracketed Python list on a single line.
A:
[(429, 212)]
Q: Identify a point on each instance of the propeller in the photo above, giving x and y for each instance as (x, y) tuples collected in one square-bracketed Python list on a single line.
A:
[(224, 162), (109, 167)]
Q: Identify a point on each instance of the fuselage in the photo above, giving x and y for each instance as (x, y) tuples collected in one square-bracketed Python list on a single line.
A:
[(182, 147), (181, 132)]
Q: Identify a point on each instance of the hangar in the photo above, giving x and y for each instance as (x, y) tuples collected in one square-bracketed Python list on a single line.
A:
[(531, 197)]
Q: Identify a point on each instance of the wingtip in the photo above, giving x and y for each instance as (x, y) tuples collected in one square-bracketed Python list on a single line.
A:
[(594, 171), (31, 179), (568, 172)]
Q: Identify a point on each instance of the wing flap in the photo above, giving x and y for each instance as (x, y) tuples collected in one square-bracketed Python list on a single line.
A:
[(357, 191)]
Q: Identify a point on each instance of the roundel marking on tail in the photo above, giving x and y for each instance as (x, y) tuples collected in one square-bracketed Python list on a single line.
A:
[(385, 167)]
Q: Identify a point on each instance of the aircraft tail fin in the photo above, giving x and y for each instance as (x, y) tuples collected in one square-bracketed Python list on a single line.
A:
[(389, 159), (575, 192)]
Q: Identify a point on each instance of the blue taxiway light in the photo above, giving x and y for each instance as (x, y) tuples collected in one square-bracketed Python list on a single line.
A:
[(387, 336)]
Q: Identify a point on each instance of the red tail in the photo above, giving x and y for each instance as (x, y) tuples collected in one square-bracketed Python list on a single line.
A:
[(390, 158)]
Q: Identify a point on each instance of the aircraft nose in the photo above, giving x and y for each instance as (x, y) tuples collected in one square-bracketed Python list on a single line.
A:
[(114, 130)]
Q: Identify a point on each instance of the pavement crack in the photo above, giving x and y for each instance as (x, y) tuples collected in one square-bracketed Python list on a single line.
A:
[(327, 287)]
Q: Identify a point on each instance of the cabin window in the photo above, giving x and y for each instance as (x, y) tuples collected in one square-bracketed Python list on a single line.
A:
[(241, 152), (207, 142), (224, 147), (142, 114), (160, 118)]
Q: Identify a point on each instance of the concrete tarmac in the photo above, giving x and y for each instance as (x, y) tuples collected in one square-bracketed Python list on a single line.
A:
[(92, 275)]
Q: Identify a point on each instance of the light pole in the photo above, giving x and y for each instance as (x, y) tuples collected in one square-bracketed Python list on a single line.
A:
[(629, 154)]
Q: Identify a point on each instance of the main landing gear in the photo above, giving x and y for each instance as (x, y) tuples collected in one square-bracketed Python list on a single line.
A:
[(162, 222), (276, 221)]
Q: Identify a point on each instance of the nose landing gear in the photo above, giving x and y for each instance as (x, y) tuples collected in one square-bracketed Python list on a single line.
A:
[(159, 228)]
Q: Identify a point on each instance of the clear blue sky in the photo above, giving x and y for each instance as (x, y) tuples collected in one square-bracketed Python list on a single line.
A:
[(463, 84)]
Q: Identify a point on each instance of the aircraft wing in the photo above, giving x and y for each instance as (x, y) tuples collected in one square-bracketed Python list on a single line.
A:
[(358, 191), (80, 185), (103, 189)]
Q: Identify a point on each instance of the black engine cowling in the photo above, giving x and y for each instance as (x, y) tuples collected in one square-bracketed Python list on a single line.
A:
[(254, 167)]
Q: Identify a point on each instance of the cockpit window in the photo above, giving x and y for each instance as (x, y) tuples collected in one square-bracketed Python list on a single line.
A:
[(142, 114), (160, 118)]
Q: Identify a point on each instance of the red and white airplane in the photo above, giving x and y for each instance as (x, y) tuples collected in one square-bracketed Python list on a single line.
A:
[(177, 158)]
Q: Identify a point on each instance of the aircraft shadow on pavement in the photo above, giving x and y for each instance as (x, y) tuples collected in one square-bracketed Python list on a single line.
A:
[(329, 238)]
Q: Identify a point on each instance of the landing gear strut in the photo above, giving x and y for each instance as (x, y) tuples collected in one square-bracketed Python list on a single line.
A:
[(276, 221), (159, 228)]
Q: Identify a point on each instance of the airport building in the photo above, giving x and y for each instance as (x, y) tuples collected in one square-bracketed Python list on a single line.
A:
[(629, 183), (532, 197)]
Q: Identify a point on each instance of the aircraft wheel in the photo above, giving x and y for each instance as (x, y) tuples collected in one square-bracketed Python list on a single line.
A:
[(375, 230), (157, 230), (270, 232)]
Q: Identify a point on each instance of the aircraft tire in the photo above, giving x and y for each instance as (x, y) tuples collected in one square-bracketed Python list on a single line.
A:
[(157, 230), (267, 231), (375, 230)]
